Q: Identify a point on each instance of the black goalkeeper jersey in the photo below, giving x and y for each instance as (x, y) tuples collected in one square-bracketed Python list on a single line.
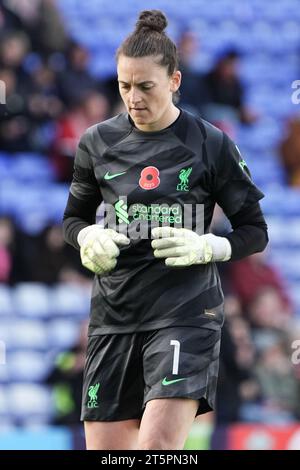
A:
[(169, 177)]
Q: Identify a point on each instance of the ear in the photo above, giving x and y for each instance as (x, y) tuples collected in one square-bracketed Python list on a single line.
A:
[(175, 81)]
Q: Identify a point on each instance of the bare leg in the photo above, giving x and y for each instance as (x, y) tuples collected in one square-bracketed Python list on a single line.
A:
[(166, 423), (116, 435)]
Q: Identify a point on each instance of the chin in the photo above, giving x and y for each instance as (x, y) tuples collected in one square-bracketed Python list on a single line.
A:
[(140, 120)]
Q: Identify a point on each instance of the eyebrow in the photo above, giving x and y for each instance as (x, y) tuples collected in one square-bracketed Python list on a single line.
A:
[(147, 82)]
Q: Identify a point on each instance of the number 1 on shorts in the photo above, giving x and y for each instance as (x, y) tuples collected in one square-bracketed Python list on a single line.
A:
[(176, 344)]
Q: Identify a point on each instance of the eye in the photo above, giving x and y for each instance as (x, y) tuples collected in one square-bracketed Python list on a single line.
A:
[(146, 87)]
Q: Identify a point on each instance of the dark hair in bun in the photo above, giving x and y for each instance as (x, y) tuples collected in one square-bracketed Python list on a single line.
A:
[(151, 19), (149, 39)]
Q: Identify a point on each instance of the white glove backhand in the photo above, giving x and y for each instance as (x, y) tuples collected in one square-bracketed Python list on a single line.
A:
[(183, 247), (98, 248)]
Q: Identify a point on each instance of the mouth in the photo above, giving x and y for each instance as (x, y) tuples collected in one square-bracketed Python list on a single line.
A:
[(138, 109)]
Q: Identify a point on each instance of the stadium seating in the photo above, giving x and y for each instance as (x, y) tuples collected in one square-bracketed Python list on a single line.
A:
[(6, 306), (27, 366), (62, 334), (29, 403), (31, 300), (68, 300)]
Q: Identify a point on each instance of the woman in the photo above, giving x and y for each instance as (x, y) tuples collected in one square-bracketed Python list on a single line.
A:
[(156, 308)]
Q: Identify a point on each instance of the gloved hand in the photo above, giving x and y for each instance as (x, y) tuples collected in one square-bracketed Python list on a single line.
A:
[(98, 248), (183, 247)]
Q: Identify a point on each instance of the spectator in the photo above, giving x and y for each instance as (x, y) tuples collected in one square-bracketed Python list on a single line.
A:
[(235, 382), (92, 108), (193, 92), (250, 276), (290, 152), (13, 50), (226, 94), (9, 20), (15, 125), (279, 386), (75, 82), (66, 379), (6, 247), (266, 313), (57, 262), (48, 33)]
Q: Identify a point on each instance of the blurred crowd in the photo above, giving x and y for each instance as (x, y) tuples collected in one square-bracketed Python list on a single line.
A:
[(258, 381), (51, 98)]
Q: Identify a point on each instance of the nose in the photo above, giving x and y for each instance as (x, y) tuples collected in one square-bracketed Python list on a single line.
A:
[(134, 96)]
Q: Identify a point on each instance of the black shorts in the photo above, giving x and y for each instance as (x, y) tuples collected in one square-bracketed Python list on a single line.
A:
[(124, 371)]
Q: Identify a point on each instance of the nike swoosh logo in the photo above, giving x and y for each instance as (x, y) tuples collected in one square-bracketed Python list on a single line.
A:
[(170, 382), (107, 176)]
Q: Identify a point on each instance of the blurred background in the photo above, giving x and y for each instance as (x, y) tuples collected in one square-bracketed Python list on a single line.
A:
[(239, 62)]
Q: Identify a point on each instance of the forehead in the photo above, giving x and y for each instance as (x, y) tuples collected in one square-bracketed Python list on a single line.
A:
[(139, 69)]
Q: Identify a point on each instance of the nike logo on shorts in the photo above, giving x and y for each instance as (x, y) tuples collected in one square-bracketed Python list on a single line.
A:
[(170, 382)]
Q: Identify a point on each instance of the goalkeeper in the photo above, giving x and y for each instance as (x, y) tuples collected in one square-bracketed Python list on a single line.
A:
[(157, 303)]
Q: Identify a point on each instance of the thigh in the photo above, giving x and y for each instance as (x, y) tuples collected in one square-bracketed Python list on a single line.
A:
[(118, 435), (182, 362), (166, 423), (113, 386)]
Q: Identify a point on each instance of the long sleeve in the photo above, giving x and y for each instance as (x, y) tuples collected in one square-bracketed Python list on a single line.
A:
[(249, 233), (84, 196), (238, 196)]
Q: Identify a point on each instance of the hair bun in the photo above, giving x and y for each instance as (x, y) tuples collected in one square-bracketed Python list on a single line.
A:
[(152, 19)]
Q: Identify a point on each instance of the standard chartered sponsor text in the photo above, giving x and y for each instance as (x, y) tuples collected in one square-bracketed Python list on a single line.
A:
[(156, 213), (135, 217)]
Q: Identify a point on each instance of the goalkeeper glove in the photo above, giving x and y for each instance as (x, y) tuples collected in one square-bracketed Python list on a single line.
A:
[(183, 247), (98, 248)]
